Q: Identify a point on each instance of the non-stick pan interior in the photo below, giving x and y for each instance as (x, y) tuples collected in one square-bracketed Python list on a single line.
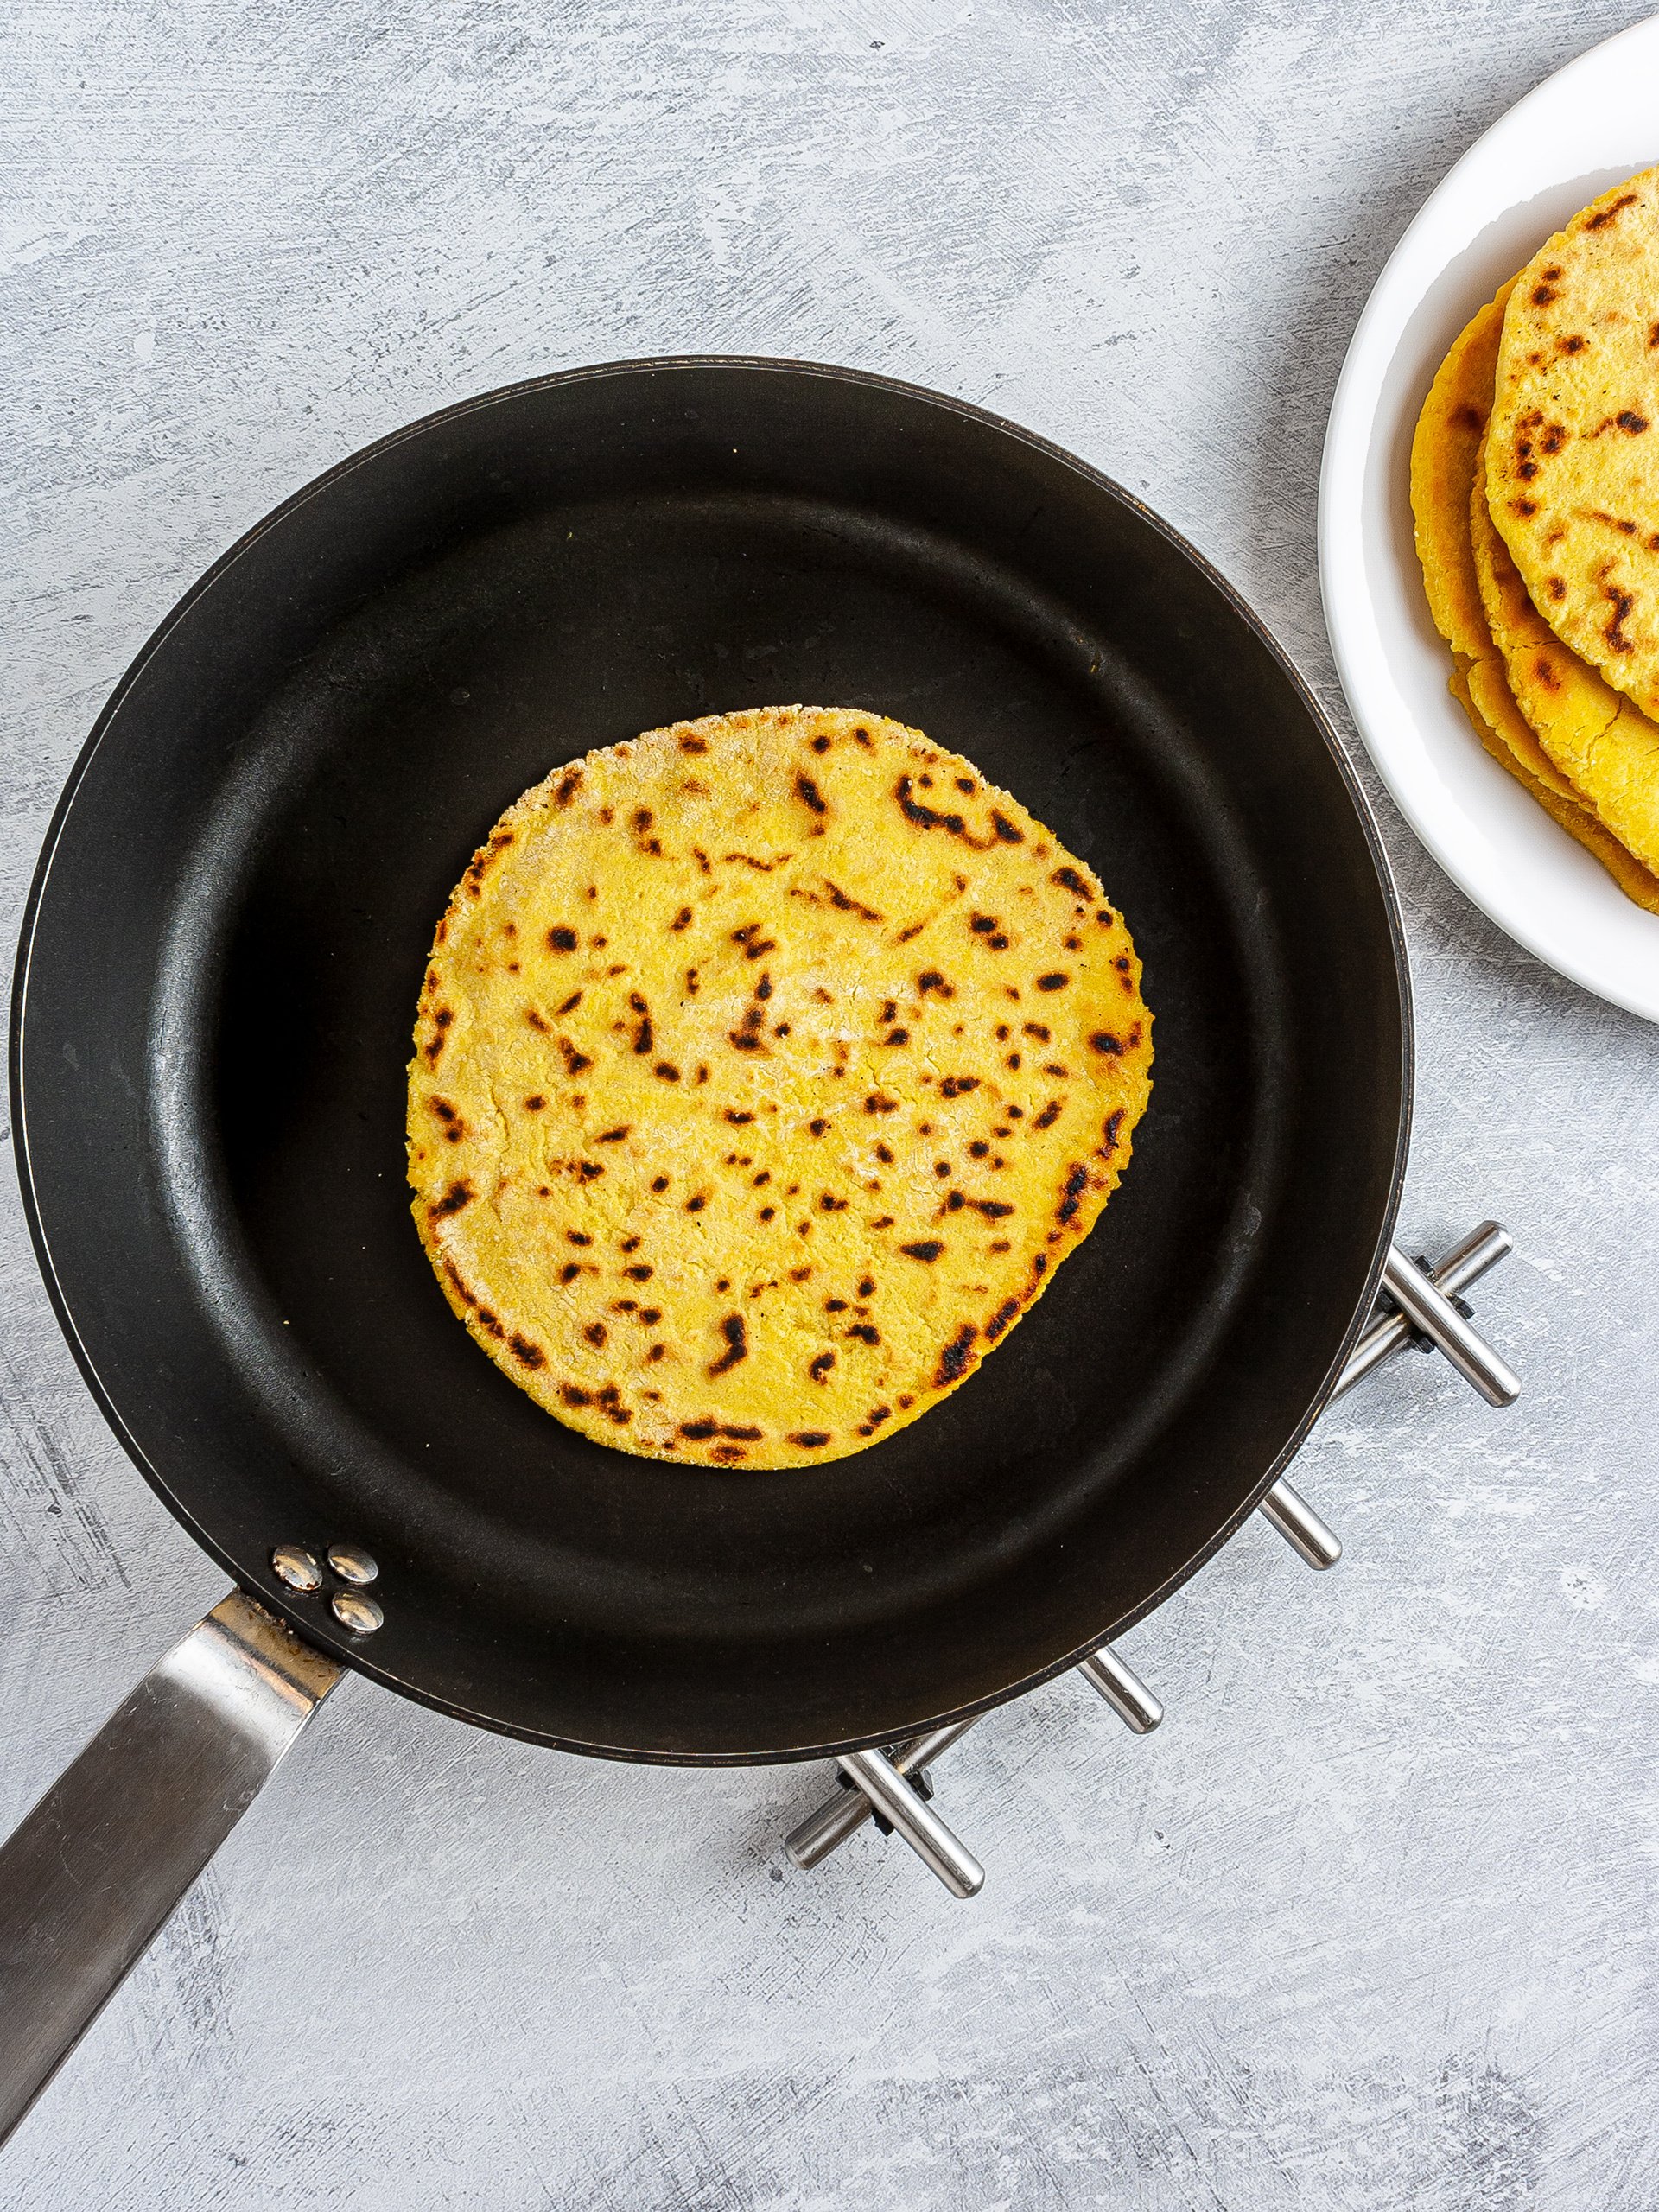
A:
[(229, 941)]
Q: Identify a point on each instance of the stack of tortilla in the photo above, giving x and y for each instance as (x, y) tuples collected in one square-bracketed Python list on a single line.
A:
[(1534, 482)]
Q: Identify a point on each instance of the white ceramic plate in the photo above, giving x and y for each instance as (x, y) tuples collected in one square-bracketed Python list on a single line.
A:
[(1592, 124)]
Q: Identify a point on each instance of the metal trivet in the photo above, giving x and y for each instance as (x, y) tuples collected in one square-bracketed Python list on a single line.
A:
[(1420, 1304)]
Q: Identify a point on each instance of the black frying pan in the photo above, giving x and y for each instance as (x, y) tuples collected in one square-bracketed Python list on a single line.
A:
[(225, 944)]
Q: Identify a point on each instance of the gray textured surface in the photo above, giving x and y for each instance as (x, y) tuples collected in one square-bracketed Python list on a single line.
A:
[(1370, 1922)]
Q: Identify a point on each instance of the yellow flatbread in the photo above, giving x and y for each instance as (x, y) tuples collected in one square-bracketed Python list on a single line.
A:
[(766, 1069), (1446, 452), (1572, 464), (1606, 748), (1486, 699), (1443, 456)]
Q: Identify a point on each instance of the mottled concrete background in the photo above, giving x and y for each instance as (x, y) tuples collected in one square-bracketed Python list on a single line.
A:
[(1370, 1922)]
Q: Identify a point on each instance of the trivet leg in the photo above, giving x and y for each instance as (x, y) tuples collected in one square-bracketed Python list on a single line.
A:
[(1421, 1298), (1454, 1271), (845, 1813), (1122, 1689), (1301, 1527), (915, 1820)]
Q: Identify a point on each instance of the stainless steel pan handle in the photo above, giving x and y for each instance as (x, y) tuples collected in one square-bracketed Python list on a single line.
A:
[(88, 1878)]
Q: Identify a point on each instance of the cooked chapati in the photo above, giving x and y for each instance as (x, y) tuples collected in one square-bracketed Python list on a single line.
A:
[(1485, 697), (1447, 453), (767, 1067), (1604, 745), (1573, 464), (1443, 455)]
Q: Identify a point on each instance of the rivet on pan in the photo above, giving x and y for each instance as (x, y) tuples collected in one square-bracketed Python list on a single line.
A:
[(361, 1615), (352, 1563), (297, 1568)]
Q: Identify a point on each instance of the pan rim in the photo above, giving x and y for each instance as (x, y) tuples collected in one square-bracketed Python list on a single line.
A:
[(360, 1659)]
